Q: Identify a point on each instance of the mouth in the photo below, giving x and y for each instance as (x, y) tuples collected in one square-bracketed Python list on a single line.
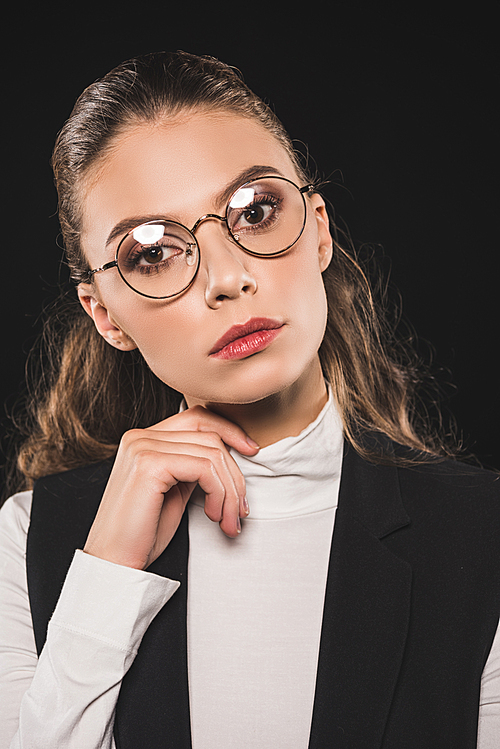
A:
[(241, 341)]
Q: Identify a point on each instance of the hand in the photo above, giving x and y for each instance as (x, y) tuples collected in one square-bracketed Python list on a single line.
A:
[(155, 472)]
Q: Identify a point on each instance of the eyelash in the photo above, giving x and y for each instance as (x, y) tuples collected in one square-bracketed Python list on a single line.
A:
[(271, 200), (136, 254)]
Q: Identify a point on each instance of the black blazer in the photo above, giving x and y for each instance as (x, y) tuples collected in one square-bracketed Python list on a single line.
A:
[(411, 608)]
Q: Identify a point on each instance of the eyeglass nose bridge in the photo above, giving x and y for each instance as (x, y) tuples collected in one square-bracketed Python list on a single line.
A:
[(206, 217)]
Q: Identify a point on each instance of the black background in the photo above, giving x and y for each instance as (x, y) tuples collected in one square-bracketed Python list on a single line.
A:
[(398, 107)]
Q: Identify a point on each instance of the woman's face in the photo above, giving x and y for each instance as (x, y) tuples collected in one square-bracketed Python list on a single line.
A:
[(179, 170)]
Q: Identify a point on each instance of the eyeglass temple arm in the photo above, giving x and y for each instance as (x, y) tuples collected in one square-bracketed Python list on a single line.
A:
[(112, 264)]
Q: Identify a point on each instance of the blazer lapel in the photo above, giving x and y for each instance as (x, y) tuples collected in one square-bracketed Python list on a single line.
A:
[(366, 612)]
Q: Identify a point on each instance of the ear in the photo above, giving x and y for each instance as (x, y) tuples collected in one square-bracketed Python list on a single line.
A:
[(111, 333), (325, 241)]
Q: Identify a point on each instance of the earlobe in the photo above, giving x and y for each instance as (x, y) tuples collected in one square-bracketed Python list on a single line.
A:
[(325, 257), (104, 324), (86, 295)]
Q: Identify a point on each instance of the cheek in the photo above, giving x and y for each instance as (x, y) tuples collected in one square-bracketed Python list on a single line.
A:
[(163, 336), (168, 350), (158, 330), (311, 312), (301, 287)]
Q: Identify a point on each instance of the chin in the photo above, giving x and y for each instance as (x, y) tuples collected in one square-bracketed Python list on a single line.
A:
[(250, 381)]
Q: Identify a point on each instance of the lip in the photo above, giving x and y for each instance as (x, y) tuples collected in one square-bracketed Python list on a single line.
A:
[(243, 340)]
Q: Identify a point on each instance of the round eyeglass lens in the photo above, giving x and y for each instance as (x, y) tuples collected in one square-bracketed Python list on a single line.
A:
[(158, 259), (266, 216)]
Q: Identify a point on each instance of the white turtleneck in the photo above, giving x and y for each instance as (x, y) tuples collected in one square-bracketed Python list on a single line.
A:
[(255, 603)]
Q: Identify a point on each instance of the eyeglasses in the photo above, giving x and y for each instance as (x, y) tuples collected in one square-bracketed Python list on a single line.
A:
[(160, 259)]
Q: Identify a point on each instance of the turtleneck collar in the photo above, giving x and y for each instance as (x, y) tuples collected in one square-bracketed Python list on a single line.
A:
[(296, 475)]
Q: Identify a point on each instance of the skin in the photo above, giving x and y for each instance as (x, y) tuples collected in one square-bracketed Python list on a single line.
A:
[(178, 169)]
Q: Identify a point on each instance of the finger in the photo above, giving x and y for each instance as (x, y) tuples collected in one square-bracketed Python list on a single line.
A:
[(171, 514), (225, 511), (202, 420), (196, 444), (183, 471), (230, 477), (167, 440), (230, 522), (222, 501)]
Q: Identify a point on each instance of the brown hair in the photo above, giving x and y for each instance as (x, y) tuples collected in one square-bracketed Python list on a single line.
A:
[(90, 393)]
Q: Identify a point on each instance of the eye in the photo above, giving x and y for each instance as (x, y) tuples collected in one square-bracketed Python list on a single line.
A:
[(152, 254), (155, 253), (260, 215), (164, 248), (255, 214)]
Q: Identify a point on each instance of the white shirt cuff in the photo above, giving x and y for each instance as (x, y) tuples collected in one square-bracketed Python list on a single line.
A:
[(110, 602)]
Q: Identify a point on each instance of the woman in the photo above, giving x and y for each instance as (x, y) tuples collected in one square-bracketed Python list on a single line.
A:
[(190, 391)]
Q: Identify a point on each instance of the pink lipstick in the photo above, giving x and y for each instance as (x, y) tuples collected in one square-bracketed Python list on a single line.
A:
[(241, 341)]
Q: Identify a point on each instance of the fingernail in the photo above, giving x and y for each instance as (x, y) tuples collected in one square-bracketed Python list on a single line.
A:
[(245, 506), (252, 442), (238, 525)]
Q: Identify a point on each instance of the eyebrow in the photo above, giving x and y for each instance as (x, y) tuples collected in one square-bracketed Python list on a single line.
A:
[(247, 175), (221, 200)]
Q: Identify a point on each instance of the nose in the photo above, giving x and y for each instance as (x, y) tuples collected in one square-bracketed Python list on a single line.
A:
[(223, 265)]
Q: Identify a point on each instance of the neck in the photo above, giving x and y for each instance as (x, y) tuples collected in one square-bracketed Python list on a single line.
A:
[(283, 414)]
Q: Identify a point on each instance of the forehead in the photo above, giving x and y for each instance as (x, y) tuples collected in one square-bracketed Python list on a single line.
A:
[(175, 169)]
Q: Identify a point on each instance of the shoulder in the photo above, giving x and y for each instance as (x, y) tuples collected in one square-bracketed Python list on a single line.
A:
[(81, 480), (450, 481), (395, 477), (64, 505), (434, 478), (447, 503), (79, 487), (454, 508)]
